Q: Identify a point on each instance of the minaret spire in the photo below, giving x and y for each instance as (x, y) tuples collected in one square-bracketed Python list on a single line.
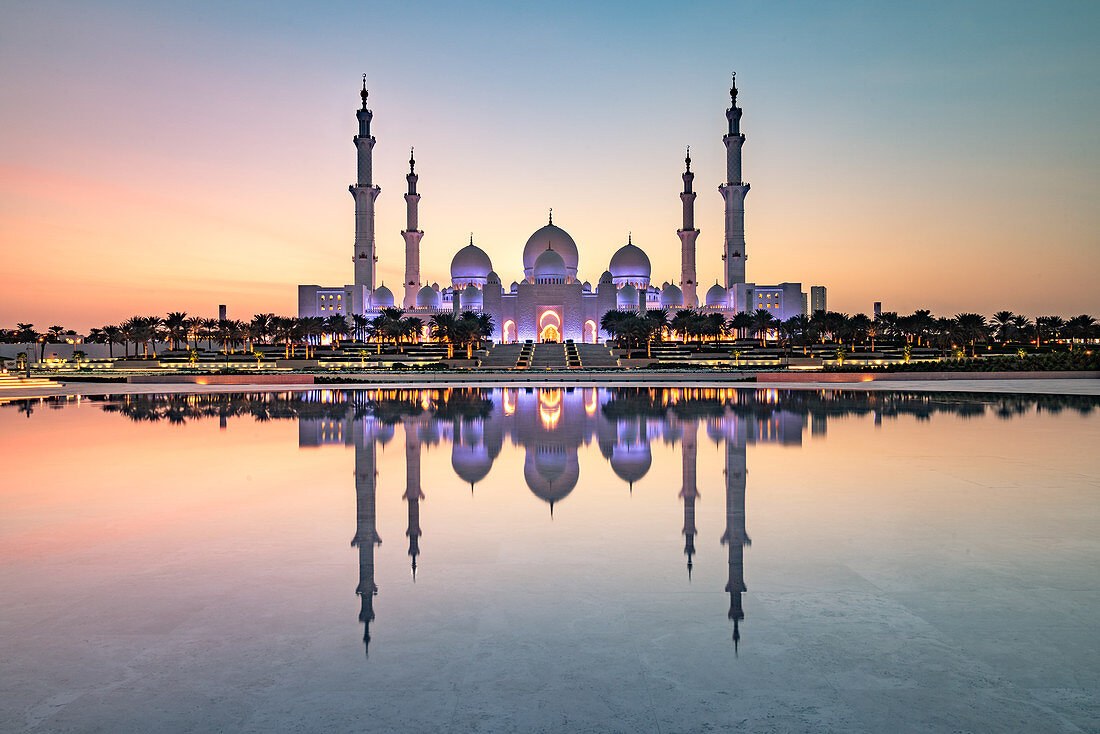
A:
[(688, 234), (733, 193), (412, 235), (364, 192), (689, 493)]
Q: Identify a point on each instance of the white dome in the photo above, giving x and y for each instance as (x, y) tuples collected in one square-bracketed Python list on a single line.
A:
[(556, 239), (630, 265), (470, 265), (631, 462), (627, 296), (470, 297), (382, 297), (549, 267), (549, 474), (427, 297), (470, 463), (671, 296), (716, 296)]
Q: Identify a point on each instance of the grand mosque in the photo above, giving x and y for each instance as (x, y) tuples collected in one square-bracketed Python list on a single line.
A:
[(550, 302)]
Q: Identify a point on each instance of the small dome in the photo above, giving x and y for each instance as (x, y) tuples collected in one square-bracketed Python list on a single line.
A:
[(630, 463), (627, 296), (606, 277), (549, 267), (586, 287), (382, 297), (492, 277), (716, 296), (470, 265), (471, 296), (427, 297), (514, 287), (671, 296), (557, 239), (470, 463), (630, 265)]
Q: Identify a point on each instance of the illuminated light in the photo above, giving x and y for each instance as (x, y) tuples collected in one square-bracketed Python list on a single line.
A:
[(591, 403), (509, 402)]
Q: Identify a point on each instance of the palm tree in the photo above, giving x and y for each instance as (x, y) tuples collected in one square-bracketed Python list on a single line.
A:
[(194, 328), (1021, 325), (176, 324), (819, 325), (885, 326), (762, 322), (444, 328), (714, 325), (796, 329), (1080, 327), (1002, 325), (359, 324), (1052, 325), (858, 327), (112, 335), (337, 326), (971, 328), (260, 326), (659, 318), (741, 324), (209, 330)]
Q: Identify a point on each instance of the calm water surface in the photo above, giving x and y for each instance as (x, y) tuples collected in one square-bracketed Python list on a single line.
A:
[(550, 560)]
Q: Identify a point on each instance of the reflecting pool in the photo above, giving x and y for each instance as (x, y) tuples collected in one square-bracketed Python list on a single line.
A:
[(550, 560)]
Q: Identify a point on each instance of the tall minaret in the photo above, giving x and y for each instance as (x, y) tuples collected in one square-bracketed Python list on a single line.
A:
[(733, 192), (735, 538), (364, 192), (366, 531), (412, 237), (413, 493), (689, 492), (687, 235)]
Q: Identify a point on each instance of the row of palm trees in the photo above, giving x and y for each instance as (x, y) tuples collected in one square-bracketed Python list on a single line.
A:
[(921, 328), (628, 328), (178, 331)]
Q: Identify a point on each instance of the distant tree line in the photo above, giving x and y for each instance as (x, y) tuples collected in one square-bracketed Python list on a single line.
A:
[(181, 332), (921, 328), (629, 329)]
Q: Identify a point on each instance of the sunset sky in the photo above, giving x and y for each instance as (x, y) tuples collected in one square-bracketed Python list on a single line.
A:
[(173, 156)]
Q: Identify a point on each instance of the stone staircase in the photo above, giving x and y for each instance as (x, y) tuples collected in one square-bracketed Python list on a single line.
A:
[(9, 381), (596, 355), (502, 356), (548, 355)]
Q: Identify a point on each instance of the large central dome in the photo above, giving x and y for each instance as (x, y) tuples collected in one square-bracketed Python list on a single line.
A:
[(556, 239)]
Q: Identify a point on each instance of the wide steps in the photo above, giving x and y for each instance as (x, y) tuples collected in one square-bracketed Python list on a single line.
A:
[(9, 381)]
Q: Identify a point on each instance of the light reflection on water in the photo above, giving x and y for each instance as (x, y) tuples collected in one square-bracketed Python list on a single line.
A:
[(858, 528)]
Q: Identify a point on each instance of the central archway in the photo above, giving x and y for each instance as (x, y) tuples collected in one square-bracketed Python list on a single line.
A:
[(550, 326)]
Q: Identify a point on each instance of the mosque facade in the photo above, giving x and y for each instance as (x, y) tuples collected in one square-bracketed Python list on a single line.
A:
[(550, 302)]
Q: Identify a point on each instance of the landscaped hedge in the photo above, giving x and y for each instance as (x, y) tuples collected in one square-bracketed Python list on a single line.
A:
[(1053, 362)]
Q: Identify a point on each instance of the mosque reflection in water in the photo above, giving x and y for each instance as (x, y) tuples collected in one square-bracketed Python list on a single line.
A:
[(551, 425)]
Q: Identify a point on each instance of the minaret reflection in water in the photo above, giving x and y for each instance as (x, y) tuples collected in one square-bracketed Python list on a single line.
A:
[(551, 425)]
